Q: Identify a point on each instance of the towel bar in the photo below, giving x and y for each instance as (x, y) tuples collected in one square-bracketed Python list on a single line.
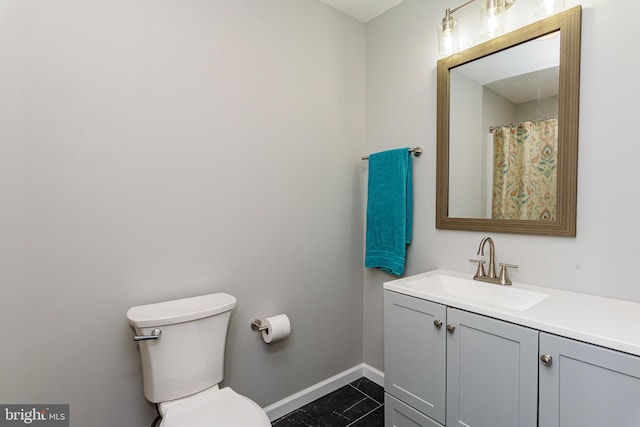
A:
[(417, 151)]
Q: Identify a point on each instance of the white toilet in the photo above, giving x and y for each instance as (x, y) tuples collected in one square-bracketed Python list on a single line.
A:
[(182, 346)]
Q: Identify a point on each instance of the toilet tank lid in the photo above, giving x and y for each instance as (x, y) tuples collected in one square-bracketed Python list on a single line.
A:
[(181, 310)]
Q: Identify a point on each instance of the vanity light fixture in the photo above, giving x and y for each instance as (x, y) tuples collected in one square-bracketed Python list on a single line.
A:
[(448, 32), (491, 24)]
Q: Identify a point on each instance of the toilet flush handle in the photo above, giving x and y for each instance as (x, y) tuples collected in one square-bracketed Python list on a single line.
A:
[(155, 334)]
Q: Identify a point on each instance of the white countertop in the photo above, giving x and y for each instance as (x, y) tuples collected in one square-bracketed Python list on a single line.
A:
[(603, 321)]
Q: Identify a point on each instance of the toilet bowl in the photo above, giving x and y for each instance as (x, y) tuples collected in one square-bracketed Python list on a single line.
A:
[(182, 345)]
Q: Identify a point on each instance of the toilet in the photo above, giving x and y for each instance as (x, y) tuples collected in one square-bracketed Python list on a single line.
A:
[(182, 345)]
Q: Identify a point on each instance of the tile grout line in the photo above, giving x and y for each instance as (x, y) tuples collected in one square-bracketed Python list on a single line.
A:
[(366, 397), (358, 402), (365, 415), (375, 400)]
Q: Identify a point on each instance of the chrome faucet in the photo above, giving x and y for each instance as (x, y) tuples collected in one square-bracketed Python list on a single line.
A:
[(503, 277), (492, 251)]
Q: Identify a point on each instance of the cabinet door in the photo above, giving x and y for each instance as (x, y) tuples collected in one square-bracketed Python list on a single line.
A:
[(492, 372), (415, 352), (397, 414), (587, 385)]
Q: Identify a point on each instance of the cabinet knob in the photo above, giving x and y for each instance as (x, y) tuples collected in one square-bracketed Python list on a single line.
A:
[(451, 328), (546, 359), (437, 323)]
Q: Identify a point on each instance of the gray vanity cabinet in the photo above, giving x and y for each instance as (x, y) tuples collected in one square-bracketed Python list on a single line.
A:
[(586, 385), (414, 356), (444, 366), (492, 372)]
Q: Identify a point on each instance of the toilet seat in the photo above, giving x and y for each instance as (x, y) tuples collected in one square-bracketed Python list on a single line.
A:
[(213, 407)]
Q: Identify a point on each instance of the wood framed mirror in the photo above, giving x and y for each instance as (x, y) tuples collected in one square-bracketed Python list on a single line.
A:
[(507, 150)]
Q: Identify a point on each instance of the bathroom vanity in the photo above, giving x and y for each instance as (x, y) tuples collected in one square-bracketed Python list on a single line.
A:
[(464, 353)]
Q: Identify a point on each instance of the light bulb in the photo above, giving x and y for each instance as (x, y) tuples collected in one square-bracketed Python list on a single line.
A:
[(492, 24), (492, 18), (448, 36), (448, 42), (548, 7)]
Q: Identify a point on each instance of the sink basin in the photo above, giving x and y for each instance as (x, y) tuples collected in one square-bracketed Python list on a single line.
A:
[(473, 291)]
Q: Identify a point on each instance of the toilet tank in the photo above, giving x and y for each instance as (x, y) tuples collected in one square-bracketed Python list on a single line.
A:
[(189, 355)]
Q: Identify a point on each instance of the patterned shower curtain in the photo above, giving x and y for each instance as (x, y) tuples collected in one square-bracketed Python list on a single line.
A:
[(525, 173)]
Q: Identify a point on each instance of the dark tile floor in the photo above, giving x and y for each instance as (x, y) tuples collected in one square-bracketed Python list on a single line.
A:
[(359, 404)]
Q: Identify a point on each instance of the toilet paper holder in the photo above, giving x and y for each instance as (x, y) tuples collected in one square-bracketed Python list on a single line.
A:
[(273, 329), (256, 325)]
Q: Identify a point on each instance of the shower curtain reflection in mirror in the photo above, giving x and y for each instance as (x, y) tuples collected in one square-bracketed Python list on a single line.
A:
[(525, 171)]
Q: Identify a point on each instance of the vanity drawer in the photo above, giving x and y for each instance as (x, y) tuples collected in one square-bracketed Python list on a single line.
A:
[(399, 414)]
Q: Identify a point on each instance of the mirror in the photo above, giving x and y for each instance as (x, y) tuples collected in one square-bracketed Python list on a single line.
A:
[(508, 131)]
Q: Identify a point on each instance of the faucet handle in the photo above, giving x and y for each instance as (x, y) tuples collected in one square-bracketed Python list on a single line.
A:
[(480, 272), (504, 276)]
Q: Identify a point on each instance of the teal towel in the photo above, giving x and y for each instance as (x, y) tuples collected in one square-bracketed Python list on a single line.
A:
[(389, 210)]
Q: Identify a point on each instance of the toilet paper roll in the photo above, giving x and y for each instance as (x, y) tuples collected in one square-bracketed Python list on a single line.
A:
[(278, 328)]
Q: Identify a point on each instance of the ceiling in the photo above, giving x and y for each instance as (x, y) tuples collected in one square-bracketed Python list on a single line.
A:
[(523, 73), (362, 10)]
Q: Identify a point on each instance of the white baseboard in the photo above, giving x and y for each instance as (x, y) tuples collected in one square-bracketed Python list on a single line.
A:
[(316, 391), (373, 374)]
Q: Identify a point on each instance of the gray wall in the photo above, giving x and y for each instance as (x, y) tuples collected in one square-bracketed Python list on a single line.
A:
[(401, 109), (152, 150)]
